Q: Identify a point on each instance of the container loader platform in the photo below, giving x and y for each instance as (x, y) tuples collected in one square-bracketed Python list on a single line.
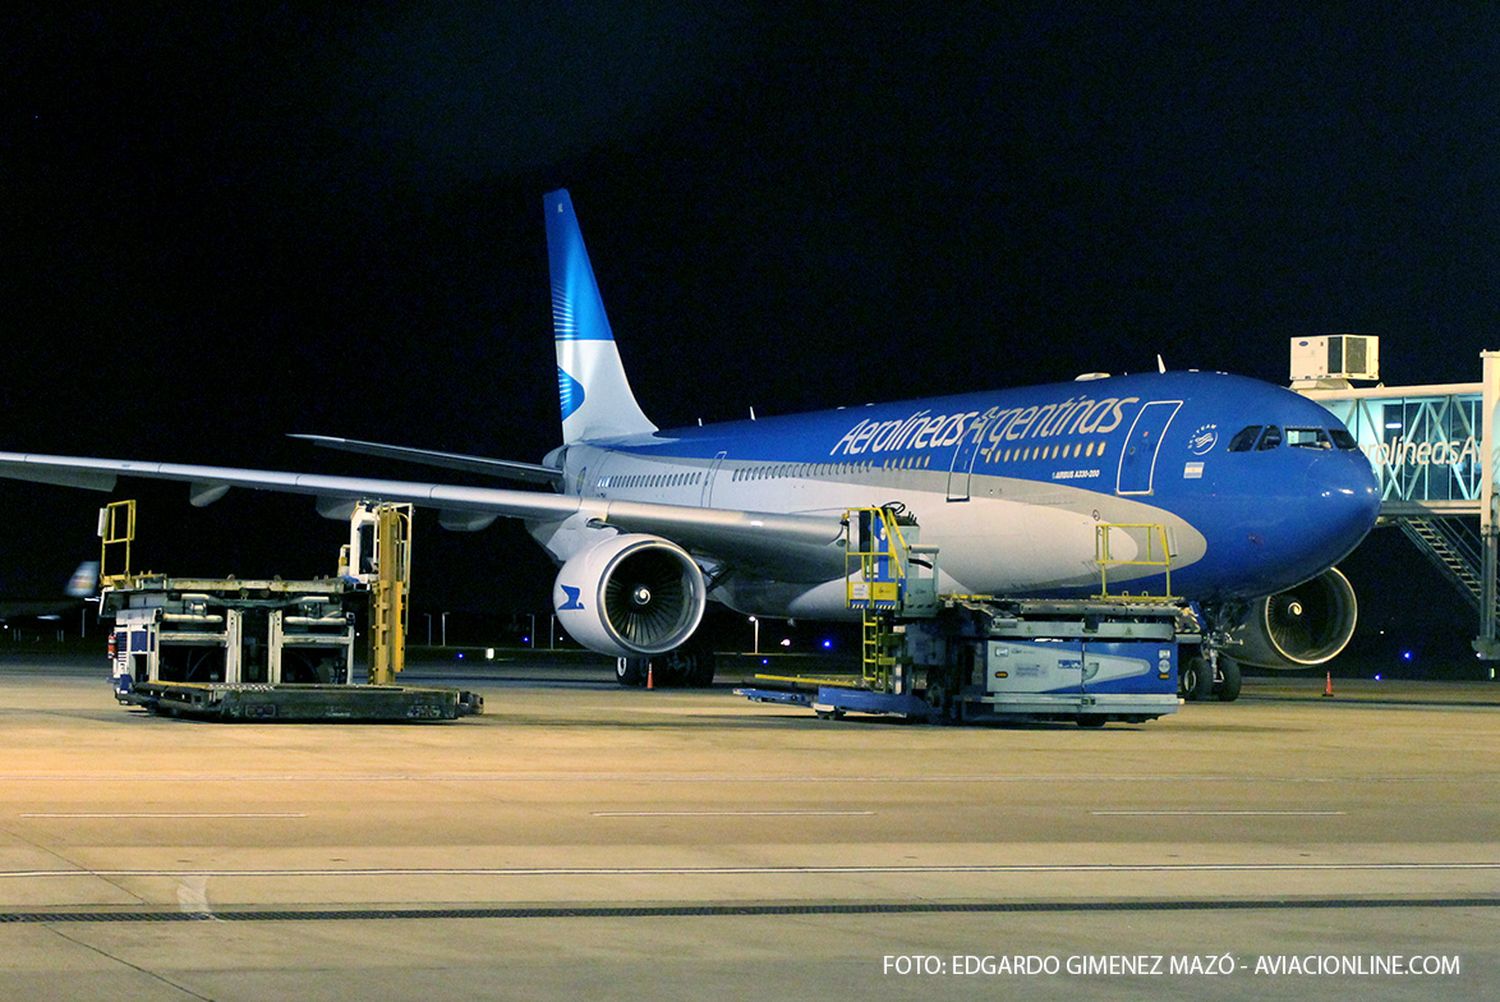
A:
[(965, 658), (269, 649)]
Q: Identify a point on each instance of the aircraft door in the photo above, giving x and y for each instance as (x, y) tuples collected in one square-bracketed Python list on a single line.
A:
[(706, 499), (1138, 458), (961, 469)]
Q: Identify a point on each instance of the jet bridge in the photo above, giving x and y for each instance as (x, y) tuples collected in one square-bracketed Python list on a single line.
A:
[(1432, 448)]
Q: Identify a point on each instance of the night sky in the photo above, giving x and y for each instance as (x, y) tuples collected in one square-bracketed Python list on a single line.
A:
[(221, 226)]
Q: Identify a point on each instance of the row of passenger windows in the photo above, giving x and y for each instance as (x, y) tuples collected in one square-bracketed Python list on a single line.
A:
[(828, 469), (1075, 450), (1064, 451), (1269, 436), (652, 480)]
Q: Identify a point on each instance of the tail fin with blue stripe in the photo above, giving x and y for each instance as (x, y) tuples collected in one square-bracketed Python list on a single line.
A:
[(591, 384)]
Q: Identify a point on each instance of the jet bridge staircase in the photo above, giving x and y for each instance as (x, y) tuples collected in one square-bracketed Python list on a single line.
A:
[(1453, 546)]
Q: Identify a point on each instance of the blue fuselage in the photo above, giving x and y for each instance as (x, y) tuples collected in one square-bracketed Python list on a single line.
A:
[(1257, 488)]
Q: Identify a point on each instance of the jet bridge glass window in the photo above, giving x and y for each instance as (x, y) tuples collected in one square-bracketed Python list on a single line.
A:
[(1308, 438), (1244, 439)]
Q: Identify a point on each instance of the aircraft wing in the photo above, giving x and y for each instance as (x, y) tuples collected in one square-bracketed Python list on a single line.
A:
[(42, 607), (504, 469), (797, 547)]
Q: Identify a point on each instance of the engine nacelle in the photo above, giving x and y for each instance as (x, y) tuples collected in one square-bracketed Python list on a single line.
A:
[(630, 596), (1297, 628)]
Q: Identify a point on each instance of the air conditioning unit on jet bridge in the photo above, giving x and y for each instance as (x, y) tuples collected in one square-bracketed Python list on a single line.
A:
[(1336, 356)]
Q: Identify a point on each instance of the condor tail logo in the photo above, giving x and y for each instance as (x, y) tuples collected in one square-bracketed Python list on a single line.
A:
[(596, 399)]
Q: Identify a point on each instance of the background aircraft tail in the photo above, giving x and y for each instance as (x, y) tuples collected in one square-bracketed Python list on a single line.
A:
[(596, 398)]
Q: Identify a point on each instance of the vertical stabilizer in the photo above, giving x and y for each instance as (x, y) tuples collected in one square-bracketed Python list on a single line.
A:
[(596, 398)]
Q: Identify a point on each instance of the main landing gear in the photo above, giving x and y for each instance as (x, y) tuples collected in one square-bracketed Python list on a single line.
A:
[(1198, 680), (691, 666)]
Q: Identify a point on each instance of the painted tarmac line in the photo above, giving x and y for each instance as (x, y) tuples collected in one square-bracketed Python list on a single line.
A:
[(648, 871), (733, 814), (173, 816), (1219, 814), (136, 779)]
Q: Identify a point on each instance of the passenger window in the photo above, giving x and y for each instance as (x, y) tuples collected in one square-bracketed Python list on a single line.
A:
[(1244, 439), (1271, 439), (1343, 439), (1308, 438)]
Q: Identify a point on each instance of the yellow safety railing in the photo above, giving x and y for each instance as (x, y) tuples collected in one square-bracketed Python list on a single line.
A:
[(862, 590), (1150, 550), (116, 529), (876, 588)]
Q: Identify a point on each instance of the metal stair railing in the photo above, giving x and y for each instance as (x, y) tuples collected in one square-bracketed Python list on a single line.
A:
[(1453, 549)]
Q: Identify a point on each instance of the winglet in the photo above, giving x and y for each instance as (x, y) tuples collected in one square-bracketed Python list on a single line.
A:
[(595, 394)]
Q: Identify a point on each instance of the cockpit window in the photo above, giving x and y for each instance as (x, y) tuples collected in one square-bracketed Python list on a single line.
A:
[(1308, 438), (1271, 439), (1343, 439), (1244, 439)]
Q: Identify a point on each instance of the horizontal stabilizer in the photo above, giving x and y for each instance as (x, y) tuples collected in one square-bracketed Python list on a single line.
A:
[(503, 469)]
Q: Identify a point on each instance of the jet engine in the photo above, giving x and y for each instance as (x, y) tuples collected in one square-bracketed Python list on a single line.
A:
[(1297, 628), (630, 595)]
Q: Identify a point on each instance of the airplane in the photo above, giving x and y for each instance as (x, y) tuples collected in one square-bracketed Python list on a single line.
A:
[(1260, 493), (80, 585)]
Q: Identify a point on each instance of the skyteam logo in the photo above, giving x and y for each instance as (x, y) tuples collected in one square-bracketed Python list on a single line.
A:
[(571, 594), (570, 391), (1204, 439)]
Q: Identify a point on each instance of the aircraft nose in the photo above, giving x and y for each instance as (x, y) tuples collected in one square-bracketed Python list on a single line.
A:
[(1349, 497)]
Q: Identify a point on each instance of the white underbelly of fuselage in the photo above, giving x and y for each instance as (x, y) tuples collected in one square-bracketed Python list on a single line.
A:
[(1008, 537)]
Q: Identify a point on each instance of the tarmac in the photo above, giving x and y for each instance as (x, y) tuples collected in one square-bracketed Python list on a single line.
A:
[(583, 840)]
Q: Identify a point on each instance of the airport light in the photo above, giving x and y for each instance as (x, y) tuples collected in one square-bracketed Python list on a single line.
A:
[(445, 629), (429, 628), (755, 623)]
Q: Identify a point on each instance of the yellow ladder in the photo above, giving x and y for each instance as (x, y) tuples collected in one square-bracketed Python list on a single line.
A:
[(878, 649)]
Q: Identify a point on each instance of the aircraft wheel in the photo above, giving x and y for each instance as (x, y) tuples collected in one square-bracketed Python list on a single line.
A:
[(1229, 689), (1197, 679), (631, 671)]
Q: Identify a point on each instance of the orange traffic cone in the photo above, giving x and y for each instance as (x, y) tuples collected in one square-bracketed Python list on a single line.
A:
[(651, 678), (1328, 686)]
